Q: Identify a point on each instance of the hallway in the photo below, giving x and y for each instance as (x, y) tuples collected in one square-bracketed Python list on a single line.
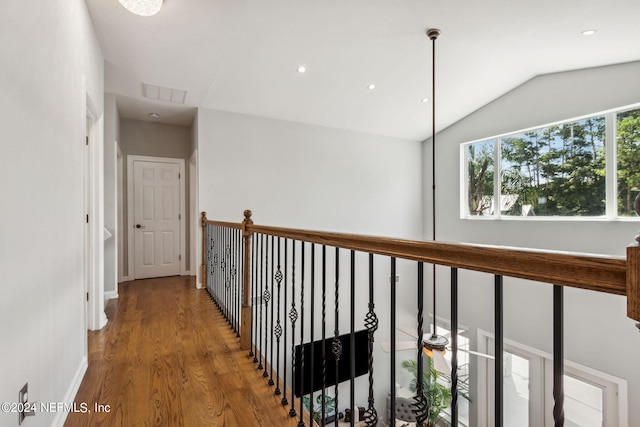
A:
[(168, 358)]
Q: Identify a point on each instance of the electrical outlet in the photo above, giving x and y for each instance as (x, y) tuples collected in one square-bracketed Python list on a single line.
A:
[(397, 280), (24, 409)]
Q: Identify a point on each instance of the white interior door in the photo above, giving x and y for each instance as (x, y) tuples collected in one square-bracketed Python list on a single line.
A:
[(156, 214)]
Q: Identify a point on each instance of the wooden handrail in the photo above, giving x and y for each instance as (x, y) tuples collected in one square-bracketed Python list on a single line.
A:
[(600, 273)]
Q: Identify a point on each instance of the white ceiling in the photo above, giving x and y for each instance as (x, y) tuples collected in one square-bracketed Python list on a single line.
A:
[(242, 55)]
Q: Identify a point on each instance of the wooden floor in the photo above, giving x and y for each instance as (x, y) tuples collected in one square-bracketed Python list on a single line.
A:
[(168, 358)]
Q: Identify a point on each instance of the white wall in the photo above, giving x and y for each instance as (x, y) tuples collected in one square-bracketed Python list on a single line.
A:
[(49, 51), (301, 176), (597, 332), (317, 178)]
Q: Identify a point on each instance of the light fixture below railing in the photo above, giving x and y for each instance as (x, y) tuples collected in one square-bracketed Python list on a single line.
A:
[(142, 7)]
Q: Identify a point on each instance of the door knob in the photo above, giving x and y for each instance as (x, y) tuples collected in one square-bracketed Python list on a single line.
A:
[(139, 226)]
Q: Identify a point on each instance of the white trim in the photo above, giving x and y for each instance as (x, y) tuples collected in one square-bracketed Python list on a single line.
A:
[(130, 204), (110, 295), (120, 211), (196, 243), (70, 395), (573, 369), (93, 124)]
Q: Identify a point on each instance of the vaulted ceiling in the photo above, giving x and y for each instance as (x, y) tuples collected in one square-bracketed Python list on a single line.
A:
[(242, 56)]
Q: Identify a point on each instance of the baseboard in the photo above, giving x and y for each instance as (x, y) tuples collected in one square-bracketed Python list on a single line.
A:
[(127, 279), (110, 295), (70, 396)]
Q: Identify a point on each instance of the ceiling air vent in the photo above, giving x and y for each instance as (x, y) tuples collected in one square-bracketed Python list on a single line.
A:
[(164, 93)]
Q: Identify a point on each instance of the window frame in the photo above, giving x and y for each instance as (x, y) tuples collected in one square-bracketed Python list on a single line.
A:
[(611, 177)]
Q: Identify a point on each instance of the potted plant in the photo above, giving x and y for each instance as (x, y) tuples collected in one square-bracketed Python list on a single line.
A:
[(437, 394), (329, 407)]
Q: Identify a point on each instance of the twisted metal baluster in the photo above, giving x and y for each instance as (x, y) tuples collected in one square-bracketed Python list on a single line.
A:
[(271, 382), (352, 338), (454, 346), (284, 400), (293, 316), (278, 329), (371, 323), (336, 345), (236, 285), (301, 422), (420, 404), (393, 339), (266, 298), (261, 250)]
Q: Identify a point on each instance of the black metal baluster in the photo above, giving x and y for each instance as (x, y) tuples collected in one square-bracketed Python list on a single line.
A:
[(216, 262), (253, 294), (336, 345), (261, 276), (271, 382), (392, 384), (312, 329), (293, 316), (240, 275), (499, 348), (284, 400), (301, 368), (278, 329), (225, 273), (352, 340), (454, 347), (236, 284), (420, 403), (324, 331), (371, 323), (558, 355), (227, 280), (266, 296)]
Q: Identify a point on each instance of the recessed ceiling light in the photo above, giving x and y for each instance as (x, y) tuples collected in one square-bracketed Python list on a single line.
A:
[(425, 100), (302, 69), (371, 86), (589, 32), (154, 115), (142, 7)]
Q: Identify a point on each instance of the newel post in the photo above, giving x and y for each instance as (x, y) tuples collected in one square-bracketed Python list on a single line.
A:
[(633, 275), (245, 327), (203, 265), (633, 280)]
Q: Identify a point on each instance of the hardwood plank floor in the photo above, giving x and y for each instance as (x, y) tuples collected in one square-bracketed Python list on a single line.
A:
[(167, 357)]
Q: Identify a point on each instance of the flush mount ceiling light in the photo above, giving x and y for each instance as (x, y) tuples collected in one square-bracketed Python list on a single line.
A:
[(589, 32), (154, 115), (302, 69), (142, 7), (371, 86)]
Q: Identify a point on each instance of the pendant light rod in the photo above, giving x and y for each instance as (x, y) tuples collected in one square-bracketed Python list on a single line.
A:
[(433, 34)]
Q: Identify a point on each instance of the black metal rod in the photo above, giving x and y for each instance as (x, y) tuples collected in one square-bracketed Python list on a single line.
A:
[(454, 346), (271, 382), (558, 355), (253, 293), (352, 340), (312, 328), (324, 331), (392, 384), (278, 330), (499, 349), (302, 361), (284, 400), (371, 322), (293, 316), (336, 345), (420, 405), (259, 298), (266, 299)]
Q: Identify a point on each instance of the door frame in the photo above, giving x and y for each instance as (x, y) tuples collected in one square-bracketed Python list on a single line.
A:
[(130, 205)]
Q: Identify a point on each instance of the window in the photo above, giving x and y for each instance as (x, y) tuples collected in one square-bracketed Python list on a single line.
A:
[(591, 398), (558, 170)]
